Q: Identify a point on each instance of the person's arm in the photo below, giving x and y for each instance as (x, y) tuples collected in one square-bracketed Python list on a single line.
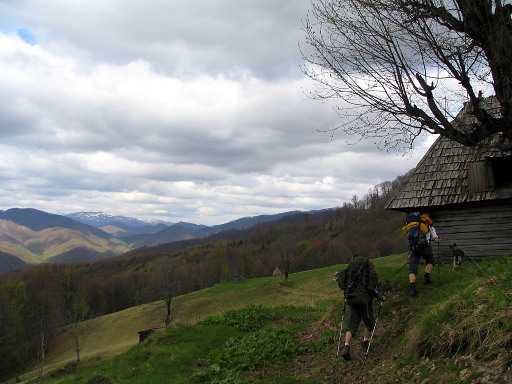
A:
[(378, 296), (433, 235)]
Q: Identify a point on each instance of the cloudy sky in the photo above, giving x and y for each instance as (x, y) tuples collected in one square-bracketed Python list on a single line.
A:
[(189, 110)]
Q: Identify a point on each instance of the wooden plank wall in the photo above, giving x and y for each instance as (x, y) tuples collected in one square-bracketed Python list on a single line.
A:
[(480, 231)]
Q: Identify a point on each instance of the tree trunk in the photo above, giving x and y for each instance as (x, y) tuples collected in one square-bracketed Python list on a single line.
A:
[(77, 344)]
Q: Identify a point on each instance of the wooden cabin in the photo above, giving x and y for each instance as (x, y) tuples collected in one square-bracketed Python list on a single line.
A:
[(239, 279), (143, 335), (468, 193)]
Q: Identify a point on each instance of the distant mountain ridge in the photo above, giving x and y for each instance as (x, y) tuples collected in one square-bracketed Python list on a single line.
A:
[(30, 236), (135, 234), (38, 220), (33, 236), (167, 235), (101, 219)]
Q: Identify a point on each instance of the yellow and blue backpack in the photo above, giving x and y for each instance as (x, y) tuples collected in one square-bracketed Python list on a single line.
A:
[(416, 227)]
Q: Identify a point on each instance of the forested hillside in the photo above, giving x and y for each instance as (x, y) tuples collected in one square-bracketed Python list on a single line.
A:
[(35, 300)]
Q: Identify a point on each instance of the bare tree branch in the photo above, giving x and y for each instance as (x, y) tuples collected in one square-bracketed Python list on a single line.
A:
[(403, 67)]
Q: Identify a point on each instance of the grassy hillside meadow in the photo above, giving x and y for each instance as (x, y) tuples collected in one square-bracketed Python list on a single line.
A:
[(459, 329)]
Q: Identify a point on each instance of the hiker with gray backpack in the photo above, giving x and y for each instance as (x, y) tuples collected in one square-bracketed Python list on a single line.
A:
[(360, 285)]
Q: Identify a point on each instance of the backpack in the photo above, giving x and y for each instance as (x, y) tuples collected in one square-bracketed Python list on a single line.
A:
[(358, 281), (416, 228)]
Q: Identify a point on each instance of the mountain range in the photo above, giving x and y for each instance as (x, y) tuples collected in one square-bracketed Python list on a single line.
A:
[(34, 236), (101, 219), (29, 236)]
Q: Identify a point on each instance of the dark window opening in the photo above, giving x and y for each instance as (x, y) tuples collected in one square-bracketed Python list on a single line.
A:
[(480, 176), (502, 171)]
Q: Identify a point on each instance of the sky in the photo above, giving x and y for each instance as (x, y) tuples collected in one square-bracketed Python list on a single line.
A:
[(176, 110)]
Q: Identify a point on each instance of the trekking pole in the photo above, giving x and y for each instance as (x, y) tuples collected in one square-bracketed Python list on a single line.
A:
[(407, 262), (341, 327), (373, 331), (438, 266)]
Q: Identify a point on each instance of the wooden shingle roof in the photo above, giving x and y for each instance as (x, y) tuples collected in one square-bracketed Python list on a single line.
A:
[(441, 177)]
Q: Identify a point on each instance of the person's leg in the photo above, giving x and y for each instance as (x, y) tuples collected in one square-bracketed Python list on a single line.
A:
[(414, 262), (426, 276), (345, 353), (348, 337), (429, 260), (369, 323), (353, 324)]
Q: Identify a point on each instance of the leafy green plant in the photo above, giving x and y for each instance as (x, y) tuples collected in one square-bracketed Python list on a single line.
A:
[(249, 352), (249, 318), (327, 338)]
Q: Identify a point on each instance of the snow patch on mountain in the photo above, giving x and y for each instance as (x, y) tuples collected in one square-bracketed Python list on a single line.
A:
[(101, 219)]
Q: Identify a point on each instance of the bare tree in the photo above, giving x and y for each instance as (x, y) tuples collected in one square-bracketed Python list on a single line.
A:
[(404, 67), (286, 262), (43, 311), (287, 245), (166, 285), (75, 315)]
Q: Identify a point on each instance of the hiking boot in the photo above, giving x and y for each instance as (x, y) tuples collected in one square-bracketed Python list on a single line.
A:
[(346, 352), (412, 290), (426, 278), (365, 344)]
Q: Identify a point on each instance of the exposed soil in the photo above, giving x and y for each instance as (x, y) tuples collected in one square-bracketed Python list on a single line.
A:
[(332, 368)]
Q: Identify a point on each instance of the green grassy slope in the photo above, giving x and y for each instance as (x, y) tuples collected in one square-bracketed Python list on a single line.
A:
[(117, 332), (457, 330)]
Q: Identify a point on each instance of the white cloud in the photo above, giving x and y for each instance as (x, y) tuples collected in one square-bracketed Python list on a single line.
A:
[(190, 111)]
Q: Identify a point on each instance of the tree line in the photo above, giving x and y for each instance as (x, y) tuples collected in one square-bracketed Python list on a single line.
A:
[(35, 301)]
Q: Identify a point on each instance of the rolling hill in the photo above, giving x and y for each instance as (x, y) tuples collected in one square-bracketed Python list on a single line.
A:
[(9, 262), (169, 234), (35, 236)]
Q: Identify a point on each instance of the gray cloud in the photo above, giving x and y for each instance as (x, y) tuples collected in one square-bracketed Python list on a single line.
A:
[(177, 37), (180, 110)]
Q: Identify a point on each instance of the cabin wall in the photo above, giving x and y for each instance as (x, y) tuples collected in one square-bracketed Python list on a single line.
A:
[(480, 231)]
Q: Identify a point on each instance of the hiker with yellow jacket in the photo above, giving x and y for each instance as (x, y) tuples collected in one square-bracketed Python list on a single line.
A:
[(420, 232)]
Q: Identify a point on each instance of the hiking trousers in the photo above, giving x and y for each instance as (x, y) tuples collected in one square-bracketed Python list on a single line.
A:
[(360, 313), (422, 250)]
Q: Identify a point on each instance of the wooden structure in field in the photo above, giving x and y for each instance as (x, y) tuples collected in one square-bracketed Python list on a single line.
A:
[(143, 335), (468, 193)]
